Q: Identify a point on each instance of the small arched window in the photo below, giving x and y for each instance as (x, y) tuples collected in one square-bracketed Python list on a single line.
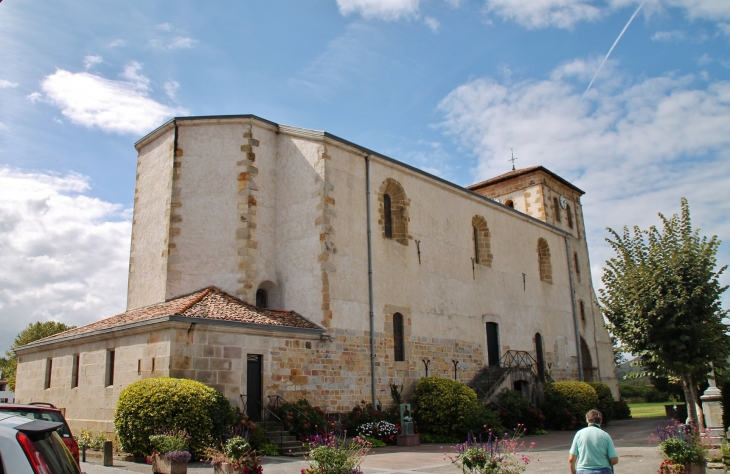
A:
[(262, 299), (546, 268), (399, 353), (577, 266), (509, 203), (482, 244), (556, 205), (387, 216), (569, 213), (476, 244), (582, 312)]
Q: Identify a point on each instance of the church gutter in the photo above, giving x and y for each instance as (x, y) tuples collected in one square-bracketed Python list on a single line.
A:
[(575, 316), (370, 282)]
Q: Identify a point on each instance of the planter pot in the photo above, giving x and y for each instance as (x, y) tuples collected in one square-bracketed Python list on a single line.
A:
[(223, 468), (162, 465), (695, 468)]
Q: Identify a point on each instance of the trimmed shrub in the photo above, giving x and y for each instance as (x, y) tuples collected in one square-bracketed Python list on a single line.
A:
[(557, 411), (621, 410), (514, 409), (605, 400), (580, 396), (447, 407), (163, 403)]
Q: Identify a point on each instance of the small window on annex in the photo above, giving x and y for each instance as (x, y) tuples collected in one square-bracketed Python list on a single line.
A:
[(75, 370), (49, 371), (109, 368), (545, 266), (582, 312), (393, 211), (577, 266), (399, 353), (509, 203)]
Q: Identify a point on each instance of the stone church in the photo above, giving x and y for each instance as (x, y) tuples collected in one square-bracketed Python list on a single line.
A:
[(273, 260)]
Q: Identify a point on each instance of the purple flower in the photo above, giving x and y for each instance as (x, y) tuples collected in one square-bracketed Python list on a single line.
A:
[(178, 456)]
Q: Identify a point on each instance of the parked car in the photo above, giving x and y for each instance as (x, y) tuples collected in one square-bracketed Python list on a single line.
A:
[(45, 412), (30, 446)]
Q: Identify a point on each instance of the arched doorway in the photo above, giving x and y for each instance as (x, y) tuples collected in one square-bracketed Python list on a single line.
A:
[(585, 355)]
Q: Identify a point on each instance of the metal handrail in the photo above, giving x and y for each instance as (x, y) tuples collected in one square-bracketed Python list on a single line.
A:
[(277, 404), (264, 412)]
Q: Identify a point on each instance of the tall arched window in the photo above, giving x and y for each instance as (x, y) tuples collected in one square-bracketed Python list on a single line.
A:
[(399, 352), (546, 268), (493, 344), (482, 244), (387, 216), (540, 357), (577, 267), (582, 312), (569, 213), (262, 299)]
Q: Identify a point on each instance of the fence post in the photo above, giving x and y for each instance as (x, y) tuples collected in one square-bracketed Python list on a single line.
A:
[(108, 459)]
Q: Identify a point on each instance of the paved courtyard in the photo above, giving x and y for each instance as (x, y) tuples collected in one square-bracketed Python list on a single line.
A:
[(549, 455)]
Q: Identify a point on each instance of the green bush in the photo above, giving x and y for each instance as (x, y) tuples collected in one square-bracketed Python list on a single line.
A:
[(514, 409), (605, 400), (580, 396), (557, 411), (621, 410), (302, 419), (641, 391), (447, 407), (257, 437), (268, 449), (160, 404)]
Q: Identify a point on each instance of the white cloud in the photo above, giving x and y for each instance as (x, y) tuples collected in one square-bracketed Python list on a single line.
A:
[(171, 88), (35, 97), (724, 28), (545, 13), (91, 61), (117, 43), (164, 27), (381, 9), (635, 146), (4, 84), (704, 60), (65, 254), (178, 42), (432, 23), (113, 106), (674, 35)]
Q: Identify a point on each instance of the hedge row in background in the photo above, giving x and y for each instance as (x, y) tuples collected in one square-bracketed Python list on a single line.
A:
[(163, 403), (641, 391)]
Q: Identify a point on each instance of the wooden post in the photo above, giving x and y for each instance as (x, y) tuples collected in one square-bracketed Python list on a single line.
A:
[(108, 459)]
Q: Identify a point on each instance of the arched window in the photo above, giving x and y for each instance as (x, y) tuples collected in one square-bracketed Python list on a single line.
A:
[(569, 213), (582, 312), (262, 299), (387, 216), (556, 205), (394, 211), (509, 203), (577, 267), (540, 357), (482, 244), (399, 352), (493, 344), (546, 268)]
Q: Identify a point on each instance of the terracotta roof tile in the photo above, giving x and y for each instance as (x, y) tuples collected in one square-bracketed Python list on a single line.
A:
[(210, 303), (519, 172)]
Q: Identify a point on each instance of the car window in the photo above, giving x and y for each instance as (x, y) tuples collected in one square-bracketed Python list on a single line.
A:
[(54, 452), (63, 431)]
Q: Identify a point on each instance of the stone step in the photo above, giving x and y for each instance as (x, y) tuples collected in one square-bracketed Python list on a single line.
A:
[(283, 439)]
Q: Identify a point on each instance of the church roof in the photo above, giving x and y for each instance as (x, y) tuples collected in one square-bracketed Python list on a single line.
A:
[(208, 304), (519, 172)]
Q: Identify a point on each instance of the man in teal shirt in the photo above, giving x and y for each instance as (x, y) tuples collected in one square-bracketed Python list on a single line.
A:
[(592, 448)]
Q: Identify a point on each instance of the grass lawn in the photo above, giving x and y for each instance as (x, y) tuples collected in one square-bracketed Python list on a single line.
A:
[(650, 410)]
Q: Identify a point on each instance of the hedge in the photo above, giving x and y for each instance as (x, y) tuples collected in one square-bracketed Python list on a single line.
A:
[(450, 408), (580, 397), (163, 403), (605, 400)]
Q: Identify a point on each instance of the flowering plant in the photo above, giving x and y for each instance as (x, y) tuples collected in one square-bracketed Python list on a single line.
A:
[(382, 430), (238, 452), (493, 456), (681, 444), (171, 444), (330, 454), (178, 456), (670, 467)]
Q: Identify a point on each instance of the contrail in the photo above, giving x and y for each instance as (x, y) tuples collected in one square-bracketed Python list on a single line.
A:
[(611, 50)]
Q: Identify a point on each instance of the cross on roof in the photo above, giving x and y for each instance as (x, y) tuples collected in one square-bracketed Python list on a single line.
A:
[(512, 159)]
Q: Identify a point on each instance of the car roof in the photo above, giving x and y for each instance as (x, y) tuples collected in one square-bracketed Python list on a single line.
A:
[(16, 406)]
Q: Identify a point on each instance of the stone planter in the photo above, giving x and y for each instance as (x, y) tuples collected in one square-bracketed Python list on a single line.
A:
[(162, 465), (695, 468), (223, 468)]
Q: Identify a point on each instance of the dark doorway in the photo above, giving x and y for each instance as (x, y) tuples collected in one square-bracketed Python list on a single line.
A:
[(585, 355), (540, 358), (262, 299), (493, 344), (254, 403)]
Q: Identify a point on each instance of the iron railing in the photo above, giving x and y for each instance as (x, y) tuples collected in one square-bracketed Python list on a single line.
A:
[(265, 415)]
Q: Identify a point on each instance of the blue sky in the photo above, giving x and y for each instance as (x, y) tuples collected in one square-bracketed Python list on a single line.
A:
[(449, 86)]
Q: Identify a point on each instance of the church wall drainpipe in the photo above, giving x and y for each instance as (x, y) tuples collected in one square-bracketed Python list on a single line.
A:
[(575, 315), (370, 282)]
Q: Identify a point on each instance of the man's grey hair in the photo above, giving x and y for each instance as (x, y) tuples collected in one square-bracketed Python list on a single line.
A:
[(594, 416)]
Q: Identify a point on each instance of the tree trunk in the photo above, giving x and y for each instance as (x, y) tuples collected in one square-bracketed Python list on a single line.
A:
[(690, 396)]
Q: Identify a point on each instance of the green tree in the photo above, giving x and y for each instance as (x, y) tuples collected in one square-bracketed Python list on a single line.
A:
[(34, 332), (661, 297)]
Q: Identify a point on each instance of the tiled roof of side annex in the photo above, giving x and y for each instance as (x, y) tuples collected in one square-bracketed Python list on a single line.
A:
[(209, 303)]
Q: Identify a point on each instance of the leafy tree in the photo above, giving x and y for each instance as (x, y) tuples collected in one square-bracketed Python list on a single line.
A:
[(34, 332), (662, 300)]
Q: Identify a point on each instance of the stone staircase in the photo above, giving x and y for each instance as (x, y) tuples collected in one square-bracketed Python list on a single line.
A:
[(486, 380), (288, 444)]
